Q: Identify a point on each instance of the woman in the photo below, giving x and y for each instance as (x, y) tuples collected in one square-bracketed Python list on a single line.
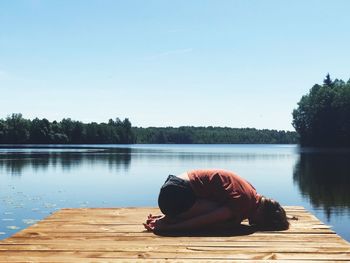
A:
[(201, 198)]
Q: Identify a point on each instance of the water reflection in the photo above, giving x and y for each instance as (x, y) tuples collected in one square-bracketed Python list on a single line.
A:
[(14, 162), (15, 159), (324, 178)]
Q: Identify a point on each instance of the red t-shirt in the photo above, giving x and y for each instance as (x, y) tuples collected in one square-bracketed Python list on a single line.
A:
[(227, 188)]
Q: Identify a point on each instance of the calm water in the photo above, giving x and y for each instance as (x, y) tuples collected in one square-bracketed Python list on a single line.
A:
[(34, 182)]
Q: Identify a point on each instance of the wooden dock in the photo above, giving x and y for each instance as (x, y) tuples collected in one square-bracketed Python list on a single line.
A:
[(117, 235)]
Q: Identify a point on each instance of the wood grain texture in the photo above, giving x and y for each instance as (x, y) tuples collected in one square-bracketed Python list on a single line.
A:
[(117, 235)]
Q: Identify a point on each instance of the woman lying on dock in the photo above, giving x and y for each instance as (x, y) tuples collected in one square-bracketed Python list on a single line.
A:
[(202, 198)]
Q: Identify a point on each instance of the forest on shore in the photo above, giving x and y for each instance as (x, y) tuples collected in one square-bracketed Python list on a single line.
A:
[(218, 135), (17, 130)]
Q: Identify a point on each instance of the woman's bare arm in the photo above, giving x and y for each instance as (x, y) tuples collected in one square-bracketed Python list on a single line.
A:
[(215, 216)]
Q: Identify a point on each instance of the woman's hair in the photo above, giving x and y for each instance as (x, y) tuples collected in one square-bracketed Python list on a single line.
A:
[(275, 217), (176, 196)]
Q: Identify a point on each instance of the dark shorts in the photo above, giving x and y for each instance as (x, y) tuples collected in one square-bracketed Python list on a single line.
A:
[(176, 181), (176, 196)]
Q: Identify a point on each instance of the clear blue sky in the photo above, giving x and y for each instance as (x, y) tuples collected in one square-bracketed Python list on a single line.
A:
[(160, 63)]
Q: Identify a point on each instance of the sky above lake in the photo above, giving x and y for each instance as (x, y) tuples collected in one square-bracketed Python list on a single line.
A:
[(169, 63)]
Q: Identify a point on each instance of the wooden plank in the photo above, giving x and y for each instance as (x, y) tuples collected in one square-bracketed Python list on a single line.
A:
[(117, 235), (181, 248), (116, 246), (198, 254), (15, 259), (183, 242), (290, 240), (144, 235)]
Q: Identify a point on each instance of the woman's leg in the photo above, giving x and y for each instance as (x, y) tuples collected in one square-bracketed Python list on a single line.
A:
[(202, 214), (200, 207)]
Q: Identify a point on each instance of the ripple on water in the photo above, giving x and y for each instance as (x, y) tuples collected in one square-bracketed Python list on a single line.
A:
[(84, 204), (8, 213), (49, 205), (12, 227), (29, 221)]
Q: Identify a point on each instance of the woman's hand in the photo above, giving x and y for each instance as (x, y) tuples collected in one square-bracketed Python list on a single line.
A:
[(151, 218), (157, 223)]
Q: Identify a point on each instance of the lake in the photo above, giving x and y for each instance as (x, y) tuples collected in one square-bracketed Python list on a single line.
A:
[(37, 180)]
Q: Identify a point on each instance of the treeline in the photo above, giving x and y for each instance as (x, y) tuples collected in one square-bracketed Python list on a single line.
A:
[(212, 135), (323, 115), (17, 130)]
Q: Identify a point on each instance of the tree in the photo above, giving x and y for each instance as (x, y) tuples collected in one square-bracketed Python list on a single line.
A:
[(67, 128), (57, 135), (327, 81), (17, 129), (322, 115), (40, 131), (126, 129), (3, 131)]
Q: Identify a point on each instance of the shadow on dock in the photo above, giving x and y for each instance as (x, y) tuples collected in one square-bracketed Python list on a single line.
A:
[(226, 230)]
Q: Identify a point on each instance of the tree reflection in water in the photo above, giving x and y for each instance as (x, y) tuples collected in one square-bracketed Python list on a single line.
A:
[(324, 178), (15, 162)]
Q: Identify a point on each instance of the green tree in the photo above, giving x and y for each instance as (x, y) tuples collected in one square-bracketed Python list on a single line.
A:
[(74, 130), (3, 131), (57, 135), (328, 81), (322, 116), (123, 130), (17, 129), (40, 131)]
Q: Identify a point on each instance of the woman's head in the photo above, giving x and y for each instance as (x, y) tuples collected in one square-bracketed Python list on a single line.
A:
[(275, 216), (176, 196), (272, 215)]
